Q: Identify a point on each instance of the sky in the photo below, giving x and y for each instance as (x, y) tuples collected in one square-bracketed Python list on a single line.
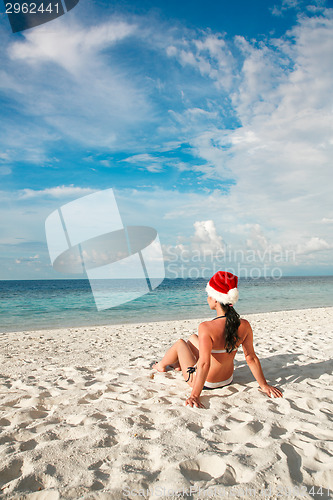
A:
[(211, 121)]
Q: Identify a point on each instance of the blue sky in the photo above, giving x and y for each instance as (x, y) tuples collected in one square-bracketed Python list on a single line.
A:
[(212, 122)]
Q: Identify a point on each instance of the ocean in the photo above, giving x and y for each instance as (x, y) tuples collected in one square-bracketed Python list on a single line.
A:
[(44, 304)]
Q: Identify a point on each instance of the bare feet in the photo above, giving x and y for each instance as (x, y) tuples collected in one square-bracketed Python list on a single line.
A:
[(159, 367), (176, 366)]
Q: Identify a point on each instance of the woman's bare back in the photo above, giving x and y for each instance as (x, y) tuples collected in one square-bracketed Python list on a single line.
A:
[(222, 364)]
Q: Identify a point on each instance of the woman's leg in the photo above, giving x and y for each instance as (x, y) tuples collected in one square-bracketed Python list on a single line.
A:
[(193, 343), (180, 352)]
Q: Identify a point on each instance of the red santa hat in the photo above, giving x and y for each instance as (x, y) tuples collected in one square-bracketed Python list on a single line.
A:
[(223, 287)]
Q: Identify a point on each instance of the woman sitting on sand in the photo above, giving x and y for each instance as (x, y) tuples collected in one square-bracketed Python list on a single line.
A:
[(207, 359)]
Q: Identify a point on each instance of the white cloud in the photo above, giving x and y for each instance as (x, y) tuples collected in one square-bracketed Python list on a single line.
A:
[(205, 239), (210, 55), (54, 192), (83, 94), (315, 244), (70, 46), (146, 161), (315, 6), (281, 155), (257, 238), (105, 163), (155, 164)]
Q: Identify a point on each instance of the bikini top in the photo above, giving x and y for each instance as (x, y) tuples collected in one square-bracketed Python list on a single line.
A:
[(220, 351)]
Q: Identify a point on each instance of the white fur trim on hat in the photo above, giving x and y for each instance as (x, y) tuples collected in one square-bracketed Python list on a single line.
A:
[(224, 298)]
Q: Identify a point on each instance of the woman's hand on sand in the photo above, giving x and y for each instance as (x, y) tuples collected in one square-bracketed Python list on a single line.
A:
[(194, 401), (271, 391)]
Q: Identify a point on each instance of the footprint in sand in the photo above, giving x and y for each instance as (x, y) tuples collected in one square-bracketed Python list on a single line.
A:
[(243, 432), (229, 477), (30, 483), (276, 431), (36, 414), (4, 422), (8, 439), (294, 462), (197, 429), (11, 472), (97, 485), (203, 469), (28, 445)]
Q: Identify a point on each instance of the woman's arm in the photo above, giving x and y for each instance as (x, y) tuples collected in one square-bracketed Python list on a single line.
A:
[(203, 365), (255, 366)]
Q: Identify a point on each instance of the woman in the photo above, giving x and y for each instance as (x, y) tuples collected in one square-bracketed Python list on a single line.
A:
[(207, 359)]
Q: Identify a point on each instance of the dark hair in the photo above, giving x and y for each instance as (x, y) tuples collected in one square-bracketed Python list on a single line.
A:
[(231, 326)]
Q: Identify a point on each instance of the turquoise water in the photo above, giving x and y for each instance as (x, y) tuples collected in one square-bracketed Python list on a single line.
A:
[(27, 305)]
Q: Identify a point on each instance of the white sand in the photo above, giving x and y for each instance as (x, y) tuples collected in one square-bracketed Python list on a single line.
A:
[(83, 416)]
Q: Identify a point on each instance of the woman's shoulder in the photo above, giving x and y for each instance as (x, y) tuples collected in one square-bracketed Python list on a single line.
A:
[(204, 325), (244, 331), (207, 327), (244, 325)]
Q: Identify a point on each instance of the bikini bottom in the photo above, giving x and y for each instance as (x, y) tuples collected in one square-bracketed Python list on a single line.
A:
[(216, 385), (210, 385)]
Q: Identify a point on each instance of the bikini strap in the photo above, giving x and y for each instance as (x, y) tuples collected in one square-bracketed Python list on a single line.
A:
[(218, 317), (190, 370)]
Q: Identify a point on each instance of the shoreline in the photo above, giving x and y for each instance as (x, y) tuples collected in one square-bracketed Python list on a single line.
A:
[(120, 324), (67, 304), (82, 413)]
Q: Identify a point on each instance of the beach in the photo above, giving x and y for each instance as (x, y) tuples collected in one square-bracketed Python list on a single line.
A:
[(83, 415)]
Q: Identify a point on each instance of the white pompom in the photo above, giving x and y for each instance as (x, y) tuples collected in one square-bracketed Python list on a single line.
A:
[(233, 295)]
